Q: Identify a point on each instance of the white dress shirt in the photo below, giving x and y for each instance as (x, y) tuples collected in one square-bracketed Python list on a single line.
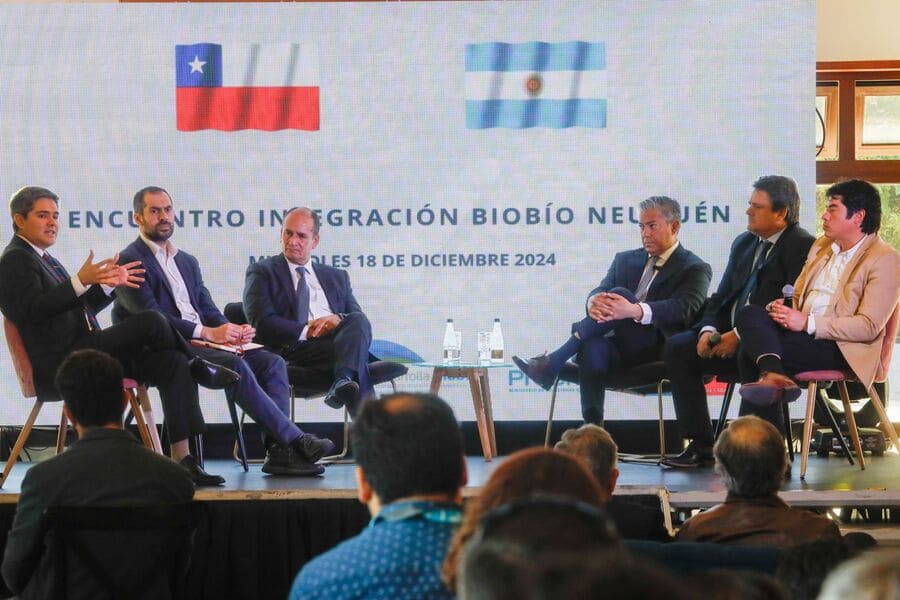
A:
[(318, 302), (826, 282), (165, 256)]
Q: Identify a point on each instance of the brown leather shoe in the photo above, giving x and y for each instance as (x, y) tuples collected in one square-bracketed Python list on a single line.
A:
[(538, 370)]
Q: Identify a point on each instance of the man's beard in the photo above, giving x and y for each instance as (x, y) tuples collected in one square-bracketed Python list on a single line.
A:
[(156, 236)]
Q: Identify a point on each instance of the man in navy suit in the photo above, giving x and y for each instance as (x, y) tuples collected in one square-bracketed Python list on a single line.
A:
[(647, 295), (307, 313), (763, 259), (174, 286)]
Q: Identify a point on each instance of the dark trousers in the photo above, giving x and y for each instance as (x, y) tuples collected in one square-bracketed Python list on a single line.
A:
[(346, 348), (796, 351), (263, 390), (606, 348), (152, 352), (686, 370)]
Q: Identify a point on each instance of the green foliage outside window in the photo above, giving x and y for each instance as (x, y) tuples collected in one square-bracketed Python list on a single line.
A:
[(890, 211)]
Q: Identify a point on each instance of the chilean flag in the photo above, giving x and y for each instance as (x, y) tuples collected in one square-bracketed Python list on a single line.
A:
[(257, 86)]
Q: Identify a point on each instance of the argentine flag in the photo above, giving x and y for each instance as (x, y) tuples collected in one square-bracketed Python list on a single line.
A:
[(536, 84)]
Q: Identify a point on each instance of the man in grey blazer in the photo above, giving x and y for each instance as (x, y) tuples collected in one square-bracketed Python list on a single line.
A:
[(107, 466)]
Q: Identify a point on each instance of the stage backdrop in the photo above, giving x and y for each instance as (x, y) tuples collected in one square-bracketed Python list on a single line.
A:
[(470, 160)]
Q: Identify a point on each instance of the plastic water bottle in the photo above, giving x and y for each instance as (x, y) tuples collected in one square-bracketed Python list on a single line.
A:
[(497, 342), (450, 349)]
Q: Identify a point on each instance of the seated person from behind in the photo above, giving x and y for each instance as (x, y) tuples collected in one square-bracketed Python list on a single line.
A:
[(647, 295), (411, 468), (306, 312), (107, 466), (593, 445), (751, 458), (174, 286)]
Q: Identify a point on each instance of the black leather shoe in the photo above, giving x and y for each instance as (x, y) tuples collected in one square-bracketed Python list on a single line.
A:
[(311, 447), (200, 477), (694, 456), (211, 375), (282, 460), (538, 370), (343, 392)]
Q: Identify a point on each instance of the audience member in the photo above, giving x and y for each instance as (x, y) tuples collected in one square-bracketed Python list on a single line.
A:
[(596, 448), (647, 295), (804, 567), (873, 576), (750, 457), (547, 547), (724, 584), (411, 467), (523, 473), (107, 466)]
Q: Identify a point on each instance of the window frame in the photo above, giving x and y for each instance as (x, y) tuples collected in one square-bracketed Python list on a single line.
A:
[(847, 164)]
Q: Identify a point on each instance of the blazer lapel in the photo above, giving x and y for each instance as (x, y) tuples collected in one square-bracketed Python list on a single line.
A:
[(815, 268), (149, 262), (48, 270), (672, 265)]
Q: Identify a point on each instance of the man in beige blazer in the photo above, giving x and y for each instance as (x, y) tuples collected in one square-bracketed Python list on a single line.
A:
[(843, 298)]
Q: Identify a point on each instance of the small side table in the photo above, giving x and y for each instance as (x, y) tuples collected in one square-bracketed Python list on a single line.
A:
[(479, 384)]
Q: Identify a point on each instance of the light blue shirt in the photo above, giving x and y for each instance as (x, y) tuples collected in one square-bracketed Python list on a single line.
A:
[(398, 555)]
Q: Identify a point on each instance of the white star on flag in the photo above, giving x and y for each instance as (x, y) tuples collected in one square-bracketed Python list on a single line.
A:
[(197, 65)]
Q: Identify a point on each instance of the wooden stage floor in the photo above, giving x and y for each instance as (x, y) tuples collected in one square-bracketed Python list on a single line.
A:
[(830, 482)]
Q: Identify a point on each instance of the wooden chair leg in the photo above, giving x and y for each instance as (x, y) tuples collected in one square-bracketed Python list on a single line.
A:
[(550, 416), (875, 399), (138, 413), (20, 441), (807, 427), (147, 409), (61, 434), (851, 424)]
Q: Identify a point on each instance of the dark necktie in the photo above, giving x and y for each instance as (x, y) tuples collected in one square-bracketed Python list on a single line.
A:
[(759, 259), (644, 284), (302, 296), (60, 273)]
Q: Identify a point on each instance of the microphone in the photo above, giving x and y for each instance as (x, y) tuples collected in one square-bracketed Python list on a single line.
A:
[(788, 292)]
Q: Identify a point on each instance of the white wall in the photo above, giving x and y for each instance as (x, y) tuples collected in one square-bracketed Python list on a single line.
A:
[(857, 30)]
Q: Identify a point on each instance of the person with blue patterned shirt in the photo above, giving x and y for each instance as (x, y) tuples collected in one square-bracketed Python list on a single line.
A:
[(410, 471)]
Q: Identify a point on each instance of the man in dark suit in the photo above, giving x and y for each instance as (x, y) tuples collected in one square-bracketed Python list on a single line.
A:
[(307, 313), (56, 313), (647, 295), (763, 259), (107, 466), (174, 286)]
